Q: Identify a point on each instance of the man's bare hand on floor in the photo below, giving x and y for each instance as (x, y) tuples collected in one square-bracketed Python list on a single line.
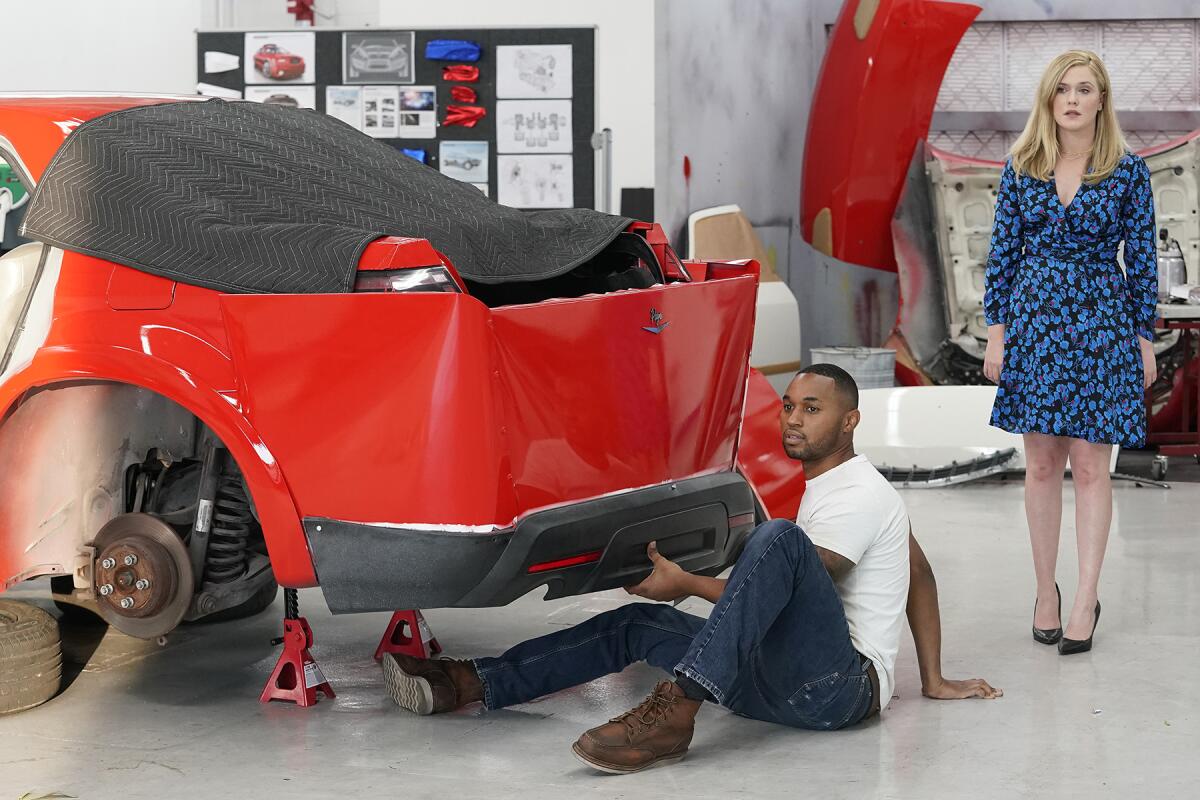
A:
[(946, 689)]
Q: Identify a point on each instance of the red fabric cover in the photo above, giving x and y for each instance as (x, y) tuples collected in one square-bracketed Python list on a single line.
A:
[(463, 94), (466, 116), (460, 72)]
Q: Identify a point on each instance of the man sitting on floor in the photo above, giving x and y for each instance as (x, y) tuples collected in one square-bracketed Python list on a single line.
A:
[(804, 632)]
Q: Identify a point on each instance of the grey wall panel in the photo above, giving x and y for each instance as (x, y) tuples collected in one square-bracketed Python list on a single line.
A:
[(1152, 63), (843, 304), (1030, 46), (974, 79), (734, 83), (735, 86)]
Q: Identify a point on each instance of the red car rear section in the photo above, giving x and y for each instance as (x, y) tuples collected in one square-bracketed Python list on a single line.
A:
[(425, 449), (504, 405), (497, 415)]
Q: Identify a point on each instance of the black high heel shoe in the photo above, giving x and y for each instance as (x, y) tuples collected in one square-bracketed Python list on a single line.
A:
[(1049, 635), (1069, 647)]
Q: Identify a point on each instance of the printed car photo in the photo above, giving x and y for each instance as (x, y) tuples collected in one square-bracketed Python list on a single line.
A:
[(278, 64), (376, 55), (281, 99), (334, 381)]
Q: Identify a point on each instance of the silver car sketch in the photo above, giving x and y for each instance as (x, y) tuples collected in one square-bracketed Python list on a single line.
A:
[(375, 55)]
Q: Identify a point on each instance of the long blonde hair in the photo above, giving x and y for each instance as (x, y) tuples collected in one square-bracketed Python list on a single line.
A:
[(1036, 149)]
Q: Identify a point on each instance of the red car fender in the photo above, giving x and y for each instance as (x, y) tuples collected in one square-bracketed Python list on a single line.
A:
[(286, 542), (873, 101), (777, 479), (35, 127)]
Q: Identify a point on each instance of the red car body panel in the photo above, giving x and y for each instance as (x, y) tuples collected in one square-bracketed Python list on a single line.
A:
[(397, 252), (180, 353), (439, 419), (36, 126), (873, 101), (777, 480), (499, 413), (426, 409)]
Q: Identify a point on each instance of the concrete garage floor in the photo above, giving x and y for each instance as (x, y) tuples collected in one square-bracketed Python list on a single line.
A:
[(184, 720)]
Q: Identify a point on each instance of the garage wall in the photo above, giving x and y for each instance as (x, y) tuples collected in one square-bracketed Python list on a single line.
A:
[(273, 14), (110, 46), (733, 87), (624, 62), (133, 45), (735, 82)]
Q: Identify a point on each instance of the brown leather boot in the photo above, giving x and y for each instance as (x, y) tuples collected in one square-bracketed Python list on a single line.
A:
[(656, 732), (430, 686)]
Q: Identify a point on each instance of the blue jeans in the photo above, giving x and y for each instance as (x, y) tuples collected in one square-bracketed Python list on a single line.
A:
[(775, 648)]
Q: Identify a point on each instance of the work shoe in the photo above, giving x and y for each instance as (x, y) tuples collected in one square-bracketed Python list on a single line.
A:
[(427, 686), (656, 732)]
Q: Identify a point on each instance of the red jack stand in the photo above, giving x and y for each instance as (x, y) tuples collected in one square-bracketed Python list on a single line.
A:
[(296, 677), (408, 633)]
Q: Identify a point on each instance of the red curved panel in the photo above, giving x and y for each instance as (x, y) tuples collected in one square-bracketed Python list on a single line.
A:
[(475, 416), (873, 101), (179, 353), (37, 126), (778, 480)]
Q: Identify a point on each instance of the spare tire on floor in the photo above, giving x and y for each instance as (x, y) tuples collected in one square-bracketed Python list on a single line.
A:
[(30, 656)]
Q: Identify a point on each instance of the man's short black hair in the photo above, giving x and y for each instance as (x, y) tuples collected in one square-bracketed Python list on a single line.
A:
[(844, 382)]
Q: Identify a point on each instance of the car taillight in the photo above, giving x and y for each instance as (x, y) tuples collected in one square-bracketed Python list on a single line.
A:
[(563, 563), (424, 279)]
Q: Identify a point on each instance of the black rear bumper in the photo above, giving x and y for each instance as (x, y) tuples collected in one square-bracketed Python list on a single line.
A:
[(700, 523)]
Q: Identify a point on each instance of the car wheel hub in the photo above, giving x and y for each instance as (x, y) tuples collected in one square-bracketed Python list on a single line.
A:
[(143, 576)]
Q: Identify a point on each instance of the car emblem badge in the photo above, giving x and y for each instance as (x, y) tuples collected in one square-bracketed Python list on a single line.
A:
[(659, 326)]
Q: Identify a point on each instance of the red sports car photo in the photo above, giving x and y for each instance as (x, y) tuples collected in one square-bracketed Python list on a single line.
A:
[(278, 64), (314, 361)]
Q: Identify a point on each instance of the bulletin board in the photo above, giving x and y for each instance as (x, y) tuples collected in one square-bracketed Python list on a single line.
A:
[(536, 86)]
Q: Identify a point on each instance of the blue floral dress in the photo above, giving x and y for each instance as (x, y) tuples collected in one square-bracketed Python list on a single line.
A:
[(1072, 364)]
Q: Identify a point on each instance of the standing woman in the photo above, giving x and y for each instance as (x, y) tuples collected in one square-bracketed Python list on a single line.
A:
[(1070, 338)]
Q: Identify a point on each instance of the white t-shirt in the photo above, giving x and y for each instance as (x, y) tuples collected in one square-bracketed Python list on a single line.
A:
[(853, 511)]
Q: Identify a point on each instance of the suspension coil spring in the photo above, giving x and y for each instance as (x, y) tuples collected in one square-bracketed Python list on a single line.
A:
[(229, 541)]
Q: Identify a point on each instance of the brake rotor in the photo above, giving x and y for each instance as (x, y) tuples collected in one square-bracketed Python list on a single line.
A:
[(142, 576)]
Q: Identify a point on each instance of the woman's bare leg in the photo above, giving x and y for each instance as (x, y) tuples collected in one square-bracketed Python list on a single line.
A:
[(1045, 462), (1093, 516)]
